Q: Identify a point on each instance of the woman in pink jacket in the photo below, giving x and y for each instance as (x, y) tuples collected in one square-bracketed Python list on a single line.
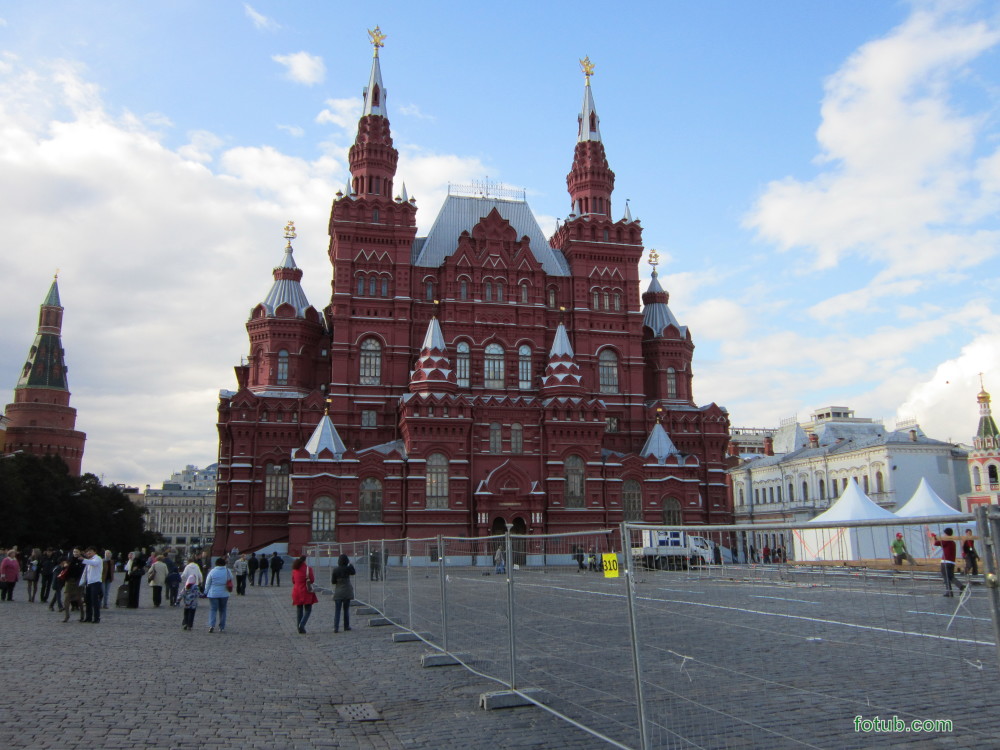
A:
[(303, 596), (10, 571)]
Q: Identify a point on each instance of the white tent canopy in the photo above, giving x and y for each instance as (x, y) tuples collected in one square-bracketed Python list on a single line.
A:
[(924, 503), (859, 543)]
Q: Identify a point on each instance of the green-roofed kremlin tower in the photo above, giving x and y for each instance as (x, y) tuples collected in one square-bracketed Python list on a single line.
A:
[(41, 421), (984, 459)]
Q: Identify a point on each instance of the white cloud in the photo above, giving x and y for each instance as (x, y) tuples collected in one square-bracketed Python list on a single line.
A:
[(259, 20), (863, 300), (302, 67), (343, 113), (897, 165), (201, 146), (293, 130), (412, 110)]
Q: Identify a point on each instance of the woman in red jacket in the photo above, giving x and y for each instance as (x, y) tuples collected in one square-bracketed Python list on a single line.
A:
[(303, 596)]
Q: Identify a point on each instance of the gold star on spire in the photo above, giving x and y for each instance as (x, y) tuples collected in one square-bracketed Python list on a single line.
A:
[(587, 67), (377, 37), (290, 232), (654, 258)]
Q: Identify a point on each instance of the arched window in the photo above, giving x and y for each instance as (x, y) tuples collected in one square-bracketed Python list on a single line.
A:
[(463, 289), (805, 492), (323, 518), (632, 500), (771, 493), (371, 362), (574, 482), (524, 367), (375, 210), (496, 438), (437, 481), (524, 294), (488, 291), (791, 492), (429, 290), (618, 301), (596, 300), (493, 366), (608, 371), (371, 501), (879, 482), (385, 287), (991, 471), (500, 291), (372, 282), (865, 478), (977, 478), (552, 298), (282, 367), (779, 494), (671, 383), (275, 486), (361, 286), (607, 301), (822, 490), (741, 496), (672, 512), (516, 438), (462, 364)]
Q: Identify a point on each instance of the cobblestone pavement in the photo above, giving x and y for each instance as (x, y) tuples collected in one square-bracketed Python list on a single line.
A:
[(136, 680)]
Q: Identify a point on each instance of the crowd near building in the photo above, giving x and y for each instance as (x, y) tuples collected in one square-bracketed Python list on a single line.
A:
[(480, 377)]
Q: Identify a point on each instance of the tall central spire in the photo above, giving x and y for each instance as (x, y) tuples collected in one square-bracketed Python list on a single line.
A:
[(372, 157), (590, 181)]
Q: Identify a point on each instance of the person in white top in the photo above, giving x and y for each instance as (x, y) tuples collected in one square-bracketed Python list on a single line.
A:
[(192, 569), (92, 584)]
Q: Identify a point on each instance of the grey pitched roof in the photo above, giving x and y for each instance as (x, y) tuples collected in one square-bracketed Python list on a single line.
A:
[(386, 448), (325, 436), (434, 339), (656, 316), (659, 445), (461, 213), (560, 344), (286, 290)]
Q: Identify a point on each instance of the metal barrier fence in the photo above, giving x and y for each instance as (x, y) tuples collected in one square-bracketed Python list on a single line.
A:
[(713, 636)]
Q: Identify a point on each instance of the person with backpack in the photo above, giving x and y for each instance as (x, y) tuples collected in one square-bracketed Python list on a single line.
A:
[(343, 592)]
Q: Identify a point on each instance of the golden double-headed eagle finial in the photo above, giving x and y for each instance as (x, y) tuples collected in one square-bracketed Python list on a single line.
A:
[(290, 232), (377, 37), (587, 67), (654, 257)]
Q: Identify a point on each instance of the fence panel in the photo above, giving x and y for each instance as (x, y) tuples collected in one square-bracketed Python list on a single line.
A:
[(395, 582), (425, 589), (811, 633)]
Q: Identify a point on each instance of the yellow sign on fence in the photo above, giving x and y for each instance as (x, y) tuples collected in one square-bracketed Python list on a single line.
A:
[(609, 563)]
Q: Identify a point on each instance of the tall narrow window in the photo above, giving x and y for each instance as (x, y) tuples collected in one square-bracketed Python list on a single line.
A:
[(361, 286), (371, 362), (430, 290), (385, 287), (607, 301), (516, 438), (372, 281), (991, 472), (487, 291), (822, 490), (608, 371), (552, 298), (462, 364), (437, 481), (500, 290), (977, 478), (275, 486), (463, 289), (496, 438), (524, 367), (371, 501), (574, 482), (805, 492), (524, 294), (671, 383), (375, 210), (323, 526), (880, 482), (596, 301), (282, 367), (672, 512), (632, 500), (493, 374), (618, 301)]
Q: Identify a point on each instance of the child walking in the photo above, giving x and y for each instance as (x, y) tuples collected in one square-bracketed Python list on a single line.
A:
[(190, 600)]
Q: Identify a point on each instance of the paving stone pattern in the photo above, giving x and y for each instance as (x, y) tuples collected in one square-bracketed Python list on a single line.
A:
[(136, 680)]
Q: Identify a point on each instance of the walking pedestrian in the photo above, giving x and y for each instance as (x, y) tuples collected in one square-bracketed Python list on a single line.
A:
[(135, 569), (277, 564), (157, 578), (498, 561), (32, 570), (969, 554), (343, 592), (375, 565), (947, 545), (73, 591), (190, 599), (193, 569), (240, 569), (93, 586), (252, 566), (218, 584), (303, 595), (264, 567), (10, 571), (107, 578), (59, 574), (49, 563)]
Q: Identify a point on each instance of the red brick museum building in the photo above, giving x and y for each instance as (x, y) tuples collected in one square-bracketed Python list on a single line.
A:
[(480, 376)]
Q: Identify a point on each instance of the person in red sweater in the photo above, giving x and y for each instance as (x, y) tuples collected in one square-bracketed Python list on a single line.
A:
[(947, 545)]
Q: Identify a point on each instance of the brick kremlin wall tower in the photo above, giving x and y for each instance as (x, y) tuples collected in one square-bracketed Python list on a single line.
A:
[(41, 421), (481, 376)]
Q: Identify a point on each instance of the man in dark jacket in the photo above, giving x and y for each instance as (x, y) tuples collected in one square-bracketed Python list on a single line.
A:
[(262, 578), (276, 565), (252, 565)]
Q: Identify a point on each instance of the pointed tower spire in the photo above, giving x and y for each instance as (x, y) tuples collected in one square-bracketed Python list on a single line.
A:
[(659, 445), (562, 374), (325, 436), (372, 158), (433, 371), (590, 181), (987, 436), (286, 288), (656, 315), (41, 421)]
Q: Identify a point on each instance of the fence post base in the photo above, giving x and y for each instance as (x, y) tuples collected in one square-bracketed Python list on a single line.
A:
[(408, 637), (366, 611), (442, 660), (377, 622), (507, 699)]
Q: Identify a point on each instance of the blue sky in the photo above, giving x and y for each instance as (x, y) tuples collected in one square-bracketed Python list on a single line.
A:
[(822, 180)]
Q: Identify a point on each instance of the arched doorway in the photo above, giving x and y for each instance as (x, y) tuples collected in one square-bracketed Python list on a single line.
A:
[(519, 543)]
